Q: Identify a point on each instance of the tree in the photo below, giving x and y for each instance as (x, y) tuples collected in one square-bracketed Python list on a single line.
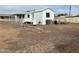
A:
[(62, 14)]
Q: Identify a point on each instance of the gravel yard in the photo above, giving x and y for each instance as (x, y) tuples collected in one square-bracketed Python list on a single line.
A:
[(48, 39)]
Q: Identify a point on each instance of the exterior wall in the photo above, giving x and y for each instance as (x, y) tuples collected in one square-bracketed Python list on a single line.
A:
[(73, 20), (60, 19), (50, 18), (38, 18), (68, 19), (28, 19), (9, 19), (12, 19), (18, 20)]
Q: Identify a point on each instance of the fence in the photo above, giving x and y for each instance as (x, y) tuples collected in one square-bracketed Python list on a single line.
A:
[(67, 19)]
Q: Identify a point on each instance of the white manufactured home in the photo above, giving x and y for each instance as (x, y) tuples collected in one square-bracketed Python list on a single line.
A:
[(34, 17), (42, 17)]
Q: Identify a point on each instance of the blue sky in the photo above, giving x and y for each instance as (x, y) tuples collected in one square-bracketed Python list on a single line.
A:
[(22, 8)]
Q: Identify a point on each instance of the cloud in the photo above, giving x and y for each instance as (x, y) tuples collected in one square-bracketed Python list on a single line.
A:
[(56, 8), (17, 8), (61, 11)]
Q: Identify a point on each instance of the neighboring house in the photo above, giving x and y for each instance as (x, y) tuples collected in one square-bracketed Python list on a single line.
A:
[(42, 17)]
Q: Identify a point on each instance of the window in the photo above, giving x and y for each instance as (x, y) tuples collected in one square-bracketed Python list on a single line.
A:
[(47, 14), (28, 16)]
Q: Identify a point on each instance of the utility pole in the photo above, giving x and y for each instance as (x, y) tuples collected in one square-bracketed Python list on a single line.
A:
[(33, 16), (69, 10)]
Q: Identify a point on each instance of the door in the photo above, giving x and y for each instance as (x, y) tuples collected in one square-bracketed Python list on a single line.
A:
[(48, 22)]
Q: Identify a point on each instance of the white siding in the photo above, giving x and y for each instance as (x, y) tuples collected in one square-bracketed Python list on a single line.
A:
[(26, 19), (38, 16), (50, 18)]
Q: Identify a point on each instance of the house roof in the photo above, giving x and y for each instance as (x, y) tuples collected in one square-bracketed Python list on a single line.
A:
[(10, 14), (23, 12), (38, 10), (6, 14)]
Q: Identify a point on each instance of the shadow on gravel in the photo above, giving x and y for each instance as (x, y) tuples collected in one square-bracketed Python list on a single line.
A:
[(71, 47)]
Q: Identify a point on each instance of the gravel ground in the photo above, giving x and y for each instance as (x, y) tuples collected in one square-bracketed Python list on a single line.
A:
[(61, 38)]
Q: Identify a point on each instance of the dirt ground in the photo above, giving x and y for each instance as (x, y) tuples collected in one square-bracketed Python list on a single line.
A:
[(48, 39)]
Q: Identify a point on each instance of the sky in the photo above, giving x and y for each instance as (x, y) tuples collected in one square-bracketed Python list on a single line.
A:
[(56, 8)]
